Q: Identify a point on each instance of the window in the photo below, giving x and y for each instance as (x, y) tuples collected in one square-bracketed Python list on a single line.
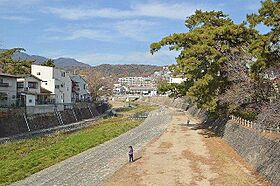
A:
[(38, 73), (61, 85), (2, 84), (30, 100), (3, 96), (57, 86), (46, 83), (84, 86), (32, 85), (20, 84), (63, 74)]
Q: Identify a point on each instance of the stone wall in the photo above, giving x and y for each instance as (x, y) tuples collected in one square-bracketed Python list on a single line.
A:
[(179, 103), (259, 150), (14, 124)]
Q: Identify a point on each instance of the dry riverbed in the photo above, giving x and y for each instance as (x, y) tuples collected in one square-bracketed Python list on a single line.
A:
[(186, 155)]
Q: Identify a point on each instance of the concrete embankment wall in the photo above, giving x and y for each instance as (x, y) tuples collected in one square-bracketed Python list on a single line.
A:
[(259, 150), (14, 123)]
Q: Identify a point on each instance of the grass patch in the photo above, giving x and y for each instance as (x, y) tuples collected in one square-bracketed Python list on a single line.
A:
[(25, 157), (140, 107)]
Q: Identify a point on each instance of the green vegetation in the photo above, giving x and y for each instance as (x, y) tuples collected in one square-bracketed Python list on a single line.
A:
[(49, 63), (10, 66), (139, 109), (226, 65), (25, 157)]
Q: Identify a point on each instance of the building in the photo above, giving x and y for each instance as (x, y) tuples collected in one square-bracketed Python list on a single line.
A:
[(136, 81), (176, 80), (164, 74), (119, 89), (55, 80), (143, 91), (79, 89), (8, 90), (30, 92)]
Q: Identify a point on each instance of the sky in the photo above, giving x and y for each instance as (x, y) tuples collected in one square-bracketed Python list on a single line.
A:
[(104, 31)]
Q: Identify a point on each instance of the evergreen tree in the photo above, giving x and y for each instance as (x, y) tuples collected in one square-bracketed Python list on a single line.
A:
[(213, 44), (11, 66), (49, 63)]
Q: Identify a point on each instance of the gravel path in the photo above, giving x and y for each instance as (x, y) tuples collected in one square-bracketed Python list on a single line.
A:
[(95, 165)]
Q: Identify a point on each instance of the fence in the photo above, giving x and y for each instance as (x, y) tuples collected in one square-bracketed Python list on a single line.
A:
[(251, 124)]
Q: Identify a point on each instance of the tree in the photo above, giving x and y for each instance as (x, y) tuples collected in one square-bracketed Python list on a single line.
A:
[(49, 63), (266, 51), (98, 85), (266, 47), (11, 66), (213, 44)]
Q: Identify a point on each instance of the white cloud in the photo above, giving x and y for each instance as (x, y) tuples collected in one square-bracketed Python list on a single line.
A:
[(163, 10), (170, 10), (21, 19), (18, 2), (75, 33), (163, 57), (139, 30), (85, 13), (90, 34), (136, 29)]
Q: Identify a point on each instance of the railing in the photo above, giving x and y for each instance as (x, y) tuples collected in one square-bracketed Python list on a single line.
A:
[(250, 124)]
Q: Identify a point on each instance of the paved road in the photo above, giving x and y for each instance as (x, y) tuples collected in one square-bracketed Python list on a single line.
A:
[(97, 164)]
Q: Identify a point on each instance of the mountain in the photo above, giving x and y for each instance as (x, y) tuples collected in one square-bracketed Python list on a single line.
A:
[(65, 63), (69, 63), (116, 71), (127, 70)]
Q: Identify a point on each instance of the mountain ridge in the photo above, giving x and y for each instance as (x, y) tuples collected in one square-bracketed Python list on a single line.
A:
[(61, 62)]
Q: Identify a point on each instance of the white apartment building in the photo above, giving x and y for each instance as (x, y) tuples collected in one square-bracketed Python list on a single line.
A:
[(54, 80), (136, 81), (8, 89), (79, 88)]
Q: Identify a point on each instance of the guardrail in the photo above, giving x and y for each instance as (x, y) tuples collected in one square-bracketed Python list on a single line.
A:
[(140, 116), (251, 124)]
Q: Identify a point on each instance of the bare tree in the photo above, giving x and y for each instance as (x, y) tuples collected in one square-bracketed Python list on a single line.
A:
[(98, 84)]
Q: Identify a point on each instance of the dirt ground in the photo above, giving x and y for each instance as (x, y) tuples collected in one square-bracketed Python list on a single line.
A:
[(186, 155)]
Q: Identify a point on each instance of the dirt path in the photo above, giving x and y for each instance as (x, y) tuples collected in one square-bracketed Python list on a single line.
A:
[(186, 155)]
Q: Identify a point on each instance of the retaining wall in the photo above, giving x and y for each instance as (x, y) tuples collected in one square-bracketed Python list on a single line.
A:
[(259, 150), (14, 124)]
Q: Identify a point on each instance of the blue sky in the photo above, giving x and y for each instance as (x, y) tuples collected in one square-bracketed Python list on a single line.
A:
[(103, 31)]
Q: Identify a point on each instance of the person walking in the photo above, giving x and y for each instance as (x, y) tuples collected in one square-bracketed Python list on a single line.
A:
[(130, 154)]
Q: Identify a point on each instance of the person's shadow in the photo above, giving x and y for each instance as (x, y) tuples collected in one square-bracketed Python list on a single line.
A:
[(136, 159)]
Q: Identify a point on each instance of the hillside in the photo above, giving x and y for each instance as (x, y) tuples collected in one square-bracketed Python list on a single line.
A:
[(65, 63), (116, 71)]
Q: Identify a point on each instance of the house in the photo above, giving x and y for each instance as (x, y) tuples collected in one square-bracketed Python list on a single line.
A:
[(176, 80), (30, 92), (119, 89), (79, 88), (8, 90), (55, 80)]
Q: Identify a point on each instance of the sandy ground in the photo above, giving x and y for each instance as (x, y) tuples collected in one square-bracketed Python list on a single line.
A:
[(186, 155)]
